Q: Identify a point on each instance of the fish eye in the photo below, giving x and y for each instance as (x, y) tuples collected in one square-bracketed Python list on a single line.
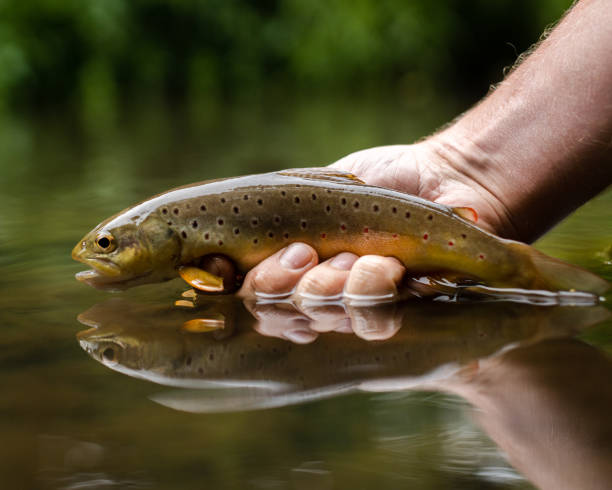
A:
[(105, 242), (109, 354)]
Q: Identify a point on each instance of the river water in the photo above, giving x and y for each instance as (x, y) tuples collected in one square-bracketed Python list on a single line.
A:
[(127, 390)]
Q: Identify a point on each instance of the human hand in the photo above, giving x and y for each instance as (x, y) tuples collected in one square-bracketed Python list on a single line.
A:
[(439, 169)]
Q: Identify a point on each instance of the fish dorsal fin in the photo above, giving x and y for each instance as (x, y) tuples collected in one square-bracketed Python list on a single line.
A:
[(469, 214), (323, 173)]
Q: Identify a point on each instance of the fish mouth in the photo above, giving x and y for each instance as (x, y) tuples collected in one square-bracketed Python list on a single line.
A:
[(105, 274), (102, 271), (98, 280)]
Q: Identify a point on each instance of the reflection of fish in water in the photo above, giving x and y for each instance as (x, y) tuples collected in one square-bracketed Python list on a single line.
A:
[(246, 370), (249, 218)]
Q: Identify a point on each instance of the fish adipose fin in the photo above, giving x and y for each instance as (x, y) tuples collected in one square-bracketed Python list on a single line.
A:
[(323, 174), (469, 214), (201, 280), (553, 274)]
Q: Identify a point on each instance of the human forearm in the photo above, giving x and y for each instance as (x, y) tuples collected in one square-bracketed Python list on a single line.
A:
[(541, 143)]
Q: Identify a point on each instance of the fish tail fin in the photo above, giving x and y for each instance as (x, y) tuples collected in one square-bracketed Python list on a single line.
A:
[(554, 274)]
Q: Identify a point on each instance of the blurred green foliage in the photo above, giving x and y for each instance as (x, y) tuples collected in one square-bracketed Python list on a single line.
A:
[(99, 55)]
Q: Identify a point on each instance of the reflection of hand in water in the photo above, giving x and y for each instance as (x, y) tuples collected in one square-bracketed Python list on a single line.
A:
[(548, 408), (302, 322)]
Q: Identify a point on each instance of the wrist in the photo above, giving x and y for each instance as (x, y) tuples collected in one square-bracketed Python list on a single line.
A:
[(470, 177)]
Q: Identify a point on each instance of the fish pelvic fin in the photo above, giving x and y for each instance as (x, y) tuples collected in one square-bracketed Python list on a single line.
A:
[(201, 279)]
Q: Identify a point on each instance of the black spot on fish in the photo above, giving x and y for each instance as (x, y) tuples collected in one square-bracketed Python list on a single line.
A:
[(164, 211), (236, 231), (236, 210), (194, 224), (277, 219), (184, 234), (203, 207), (270, 234), (303, 224), (222, 200), (407, 215), (394, 210), (285, 235), (220, 243), (356, 204), (206, 236), (254, 222), (430, 217), (175, 211), (255, 241), (314, 197), (283, 193), (296, 200), (220, 222), (260, 202), (375, 208), (328, 208), (463, 235), (343, 201), (245, 197)]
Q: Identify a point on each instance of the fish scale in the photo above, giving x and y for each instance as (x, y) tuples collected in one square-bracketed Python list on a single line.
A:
[(249, 218)]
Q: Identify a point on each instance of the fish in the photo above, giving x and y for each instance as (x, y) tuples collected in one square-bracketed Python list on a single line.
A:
[(237, 368), (249, 218)]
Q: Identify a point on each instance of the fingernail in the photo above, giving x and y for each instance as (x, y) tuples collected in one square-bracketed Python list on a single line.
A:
[(296, 256), (343, 261), (300, 336)]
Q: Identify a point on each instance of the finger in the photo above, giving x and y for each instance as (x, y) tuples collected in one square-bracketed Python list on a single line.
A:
[(278, 275), (283, 321), (325, 282), (374, 279), (377, 322)]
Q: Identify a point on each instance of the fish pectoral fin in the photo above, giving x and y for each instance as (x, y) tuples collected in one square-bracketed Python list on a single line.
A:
[(199, 325), (201, 280), (323, 174), (467, 213)]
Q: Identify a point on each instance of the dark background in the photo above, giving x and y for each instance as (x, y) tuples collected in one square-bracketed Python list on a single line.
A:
[(100, 57)]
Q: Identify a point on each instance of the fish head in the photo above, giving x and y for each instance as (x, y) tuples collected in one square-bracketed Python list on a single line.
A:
[(128, 253), (119, 352)]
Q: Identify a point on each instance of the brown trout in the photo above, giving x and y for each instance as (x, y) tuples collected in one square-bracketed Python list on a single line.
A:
[(249, 218)]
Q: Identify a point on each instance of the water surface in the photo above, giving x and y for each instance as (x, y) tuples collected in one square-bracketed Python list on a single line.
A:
[(413, 396)]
